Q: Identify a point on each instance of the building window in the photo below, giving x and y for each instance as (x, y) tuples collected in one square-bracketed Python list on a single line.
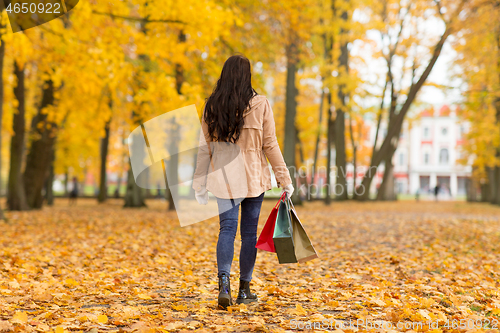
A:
[(462, 131), (425, 184), (426, 158), (462, 186), (444, 131), (443, 156), (401, 159), (400, 187), (426, 132)]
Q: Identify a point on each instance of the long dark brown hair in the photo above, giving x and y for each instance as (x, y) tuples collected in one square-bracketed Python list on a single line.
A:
[(230, 98)]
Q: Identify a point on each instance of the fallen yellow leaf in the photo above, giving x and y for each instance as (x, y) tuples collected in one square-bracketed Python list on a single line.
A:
[(495, 311), (299, 310), (20, 317), (70, 283), (144, 296), (102, 319), (179, 307)]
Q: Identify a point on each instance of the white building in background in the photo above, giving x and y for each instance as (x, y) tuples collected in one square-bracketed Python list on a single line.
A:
[(428, 155)]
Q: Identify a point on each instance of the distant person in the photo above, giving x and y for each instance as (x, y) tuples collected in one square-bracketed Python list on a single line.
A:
[(417, 195), (73, 195), (158, 191), (436, 192), (117, 192)]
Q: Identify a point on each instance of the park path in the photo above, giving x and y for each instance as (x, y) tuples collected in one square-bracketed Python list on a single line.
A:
[(105, 268)]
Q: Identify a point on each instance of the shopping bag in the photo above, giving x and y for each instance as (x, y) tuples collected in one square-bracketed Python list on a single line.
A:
[(304, 250), (283, 235), (265, 241)]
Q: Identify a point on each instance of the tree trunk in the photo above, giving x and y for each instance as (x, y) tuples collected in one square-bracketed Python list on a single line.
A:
[(173, 166), (291, 110), (2, 56), (497, 185), (485, 192), (354, 153), (120, 175), (173, 162), (386, 190), (329, 144), (326, 56), (330, 136), (490, 188), (395, 130), (39, 156), (471, 190), (191, 194), (340, 157), (340, 151), (118, 185), (135, 195), (148, 190), (16, 197), (316, 146), (66, 180), (302, 178), (49, 192), (103, 188)]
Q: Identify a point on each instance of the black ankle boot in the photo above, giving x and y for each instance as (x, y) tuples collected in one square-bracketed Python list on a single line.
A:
[(244, 294), (225, 291)]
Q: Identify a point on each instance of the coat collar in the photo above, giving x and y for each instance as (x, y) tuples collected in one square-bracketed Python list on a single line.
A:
[(255, 102)]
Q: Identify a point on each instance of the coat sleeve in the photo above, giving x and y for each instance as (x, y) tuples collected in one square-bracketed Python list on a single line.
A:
[(272, 149), (203, 157)]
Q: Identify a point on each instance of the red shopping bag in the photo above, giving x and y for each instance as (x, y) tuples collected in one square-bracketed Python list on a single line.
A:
[(265, 241)]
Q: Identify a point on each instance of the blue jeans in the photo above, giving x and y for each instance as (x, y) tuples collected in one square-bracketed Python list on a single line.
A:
[(228, 217)]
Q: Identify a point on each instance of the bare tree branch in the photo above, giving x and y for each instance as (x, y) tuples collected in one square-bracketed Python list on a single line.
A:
[(379, 118), (438, 4), (398, 38), (138, 19), (226, 44)]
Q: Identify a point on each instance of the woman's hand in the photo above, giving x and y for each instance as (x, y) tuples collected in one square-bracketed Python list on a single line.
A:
[(202, 196), (289, 190)]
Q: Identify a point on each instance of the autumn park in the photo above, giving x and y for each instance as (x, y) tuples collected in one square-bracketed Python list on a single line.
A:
[(385, 112)]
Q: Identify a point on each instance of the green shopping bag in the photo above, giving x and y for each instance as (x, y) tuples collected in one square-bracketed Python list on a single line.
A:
[(283, 235)]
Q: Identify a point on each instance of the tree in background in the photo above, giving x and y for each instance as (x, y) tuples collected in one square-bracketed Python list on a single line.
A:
[(18, 105), (97, 73), (404, 43), (478, 65)]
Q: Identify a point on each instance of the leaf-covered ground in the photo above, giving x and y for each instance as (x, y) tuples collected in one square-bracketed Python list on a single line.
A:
[(97, 268)]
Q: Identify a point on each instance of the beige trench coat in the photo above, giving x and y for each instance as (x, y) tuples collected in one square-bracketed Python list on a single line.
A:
[(241, 170)]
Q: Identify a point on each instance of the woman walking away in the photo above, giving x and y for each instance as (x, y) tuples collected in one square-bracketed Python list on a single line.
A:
[(236, 116)]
